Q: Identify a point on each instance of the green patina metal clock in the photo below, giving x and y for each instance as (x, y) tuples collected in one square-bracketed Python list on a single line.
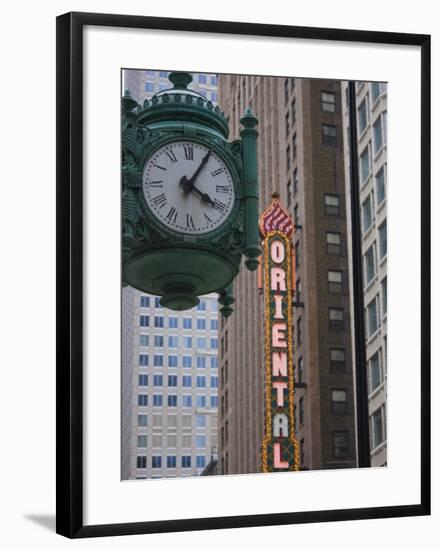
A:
[(190, 197)]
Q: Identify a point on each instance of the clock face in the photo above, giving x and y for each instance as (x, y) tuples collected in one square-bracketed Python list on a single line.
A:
[(188, 187)]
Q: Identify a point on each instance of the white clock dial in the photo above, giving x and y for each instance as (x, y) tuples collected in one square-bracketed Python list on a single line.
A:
[(188, 187)]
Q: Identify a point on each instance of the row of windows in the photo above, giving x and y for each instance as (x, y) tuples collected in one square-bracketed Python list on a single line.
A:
[(171, 461), (158, 380), (172, 361), (173, 341), (145, 301), (172, 400), (187, 322), (366, 155)]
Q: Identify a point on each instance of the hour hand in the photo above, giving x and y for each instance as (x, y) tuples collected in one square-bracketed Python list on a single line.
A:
[(204, 197)]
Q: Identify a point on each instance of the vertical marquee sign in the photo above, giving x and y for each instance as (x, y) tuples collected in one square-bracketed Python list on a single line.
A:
[(280, 449)]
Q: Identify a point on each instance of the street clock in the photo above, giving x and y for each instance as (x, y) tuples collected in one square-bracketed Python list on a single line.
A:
[(190, 197)]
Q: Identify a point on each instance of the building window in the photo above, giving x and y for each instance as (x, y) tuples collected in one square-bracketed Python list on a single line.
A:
[(377, 88), (201, 401), (287, 124), (213, 324), (300, 370), (186, 381), (200, 362), (188, 342), (296, 215), (172, 360), (375, 371), (365, 164), (186, 400), (144, 340), (202, 306), (213, 362), (301, 411), (159, 341), (172, 400), (156, 461), (186, 322), (201, 343), (202, 78), (157, 400), (201, 421), (299, 331), (339, 401), (142, 441), (142, 420), (187, 361), (340, 444), (380, 185), (143, 380), (157, 301), (362, 116), (172, 380), (379, 132), (298, 293), (141, 462), (295, 182), (157, 380), (297, 254), (171, 461), (329, 135), (294, 146), (200, 381), (213, 343), (214, 382), (186, 461), (378, 427), (159, 321), (332, 205), (288, 157), (143, 360), (200, 324), (200, 461), (200, 441), (337, 360), (286, 90), (333, 243), (214, 401), (143, 320), (366, 212), (142, 400), (158, 360), (145, 301), (384, 295), (149, 87), (372, 321), (213, 80), (370, 267), (302, 452), (172, 341), (328, 102), (172, 322), (336, 318), (335, 281), (382, 233)]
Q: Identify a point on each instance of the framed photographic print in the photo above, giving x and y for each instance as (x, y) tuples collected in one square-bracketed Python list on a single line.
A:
[(243, 289)]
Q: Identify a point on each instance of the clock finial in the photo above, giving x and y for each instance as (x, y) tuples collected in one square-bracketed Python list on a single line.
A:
[(180, 80)]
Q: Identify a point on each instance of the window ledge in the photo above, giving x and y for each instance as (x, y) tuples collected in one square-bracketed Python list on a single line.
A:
[(383, 260), (373, 336), (379, 447), (371, 283), (376, 391)]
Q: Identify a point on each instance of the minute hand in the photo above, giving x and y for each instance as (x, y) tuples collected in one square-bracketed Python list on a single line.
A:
[(199, 168)]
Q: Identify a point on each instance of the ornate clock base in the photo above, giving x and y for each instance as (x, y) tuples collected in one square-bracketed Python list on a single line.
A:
[(180, 275)]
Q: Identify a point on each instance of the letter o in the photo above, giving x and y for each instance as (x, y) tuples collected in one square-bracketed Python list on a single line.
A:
[(277, 251)]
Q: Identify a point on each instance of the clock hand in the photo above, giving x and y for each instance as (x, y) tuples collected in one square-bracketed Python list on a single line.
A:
[(198, 169), (203, 196)]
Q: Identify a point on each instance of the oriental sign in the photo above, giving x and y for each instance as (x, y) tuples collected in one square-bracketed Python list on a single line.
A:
[(280, 449)]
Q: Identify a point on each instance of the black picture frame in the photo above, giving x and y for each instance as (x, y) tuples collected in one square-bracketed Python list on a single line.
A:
[(69, 331)]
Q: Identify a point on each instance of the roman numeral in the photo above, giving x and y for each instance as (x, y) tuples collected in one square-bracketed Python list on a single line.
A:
[(188, 150), (171, 156), (159, 200), (172, 214), (156, 183), (190, 221), (222, 188), (208, 218), (217, 172), (160, 167), (218, 205)]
